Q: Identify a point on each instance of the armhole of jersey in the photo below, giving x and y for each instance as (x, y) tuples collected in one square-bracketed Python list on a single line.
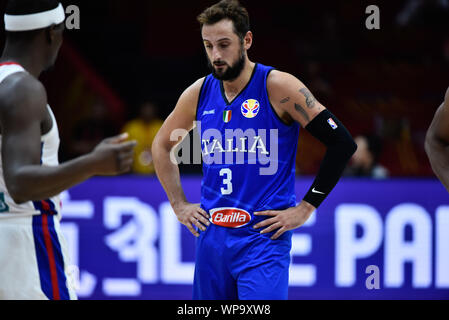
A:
[(54, 124), (199, 98), (271, 106)]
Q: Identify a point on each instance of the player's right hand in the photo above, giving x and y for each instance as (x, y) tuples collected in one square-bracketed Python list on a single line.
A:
[(113, 156), (192, 215)]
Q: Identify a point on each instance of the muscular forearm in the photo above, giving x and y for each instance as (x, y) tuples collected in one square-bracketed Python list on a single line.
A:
[(168, 174), (437, 143), (33, 183), (438, 153)]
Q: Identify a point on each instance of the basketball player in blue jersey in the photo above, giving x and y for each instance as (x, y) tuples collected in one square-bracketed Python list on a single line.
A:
[(33, 258), (249, 116)]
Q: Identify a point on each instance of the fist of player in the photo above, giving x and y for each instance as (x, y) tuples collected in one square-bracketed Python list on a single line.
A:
[(113, 156)]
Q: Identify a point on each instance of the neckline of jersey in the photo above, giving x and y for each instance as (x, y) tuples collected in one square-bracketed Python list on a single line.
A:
[(9, 63), (223, 93)]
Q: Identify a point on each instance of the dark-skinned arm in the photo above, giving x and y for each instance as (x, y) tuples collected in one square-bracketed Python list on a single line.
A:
[(21, 114), (437, 143)]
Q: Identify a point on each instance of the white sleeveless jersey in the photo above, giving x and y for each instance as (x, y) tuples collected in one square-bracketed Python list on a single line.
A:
[(49, 157), (34, 262)]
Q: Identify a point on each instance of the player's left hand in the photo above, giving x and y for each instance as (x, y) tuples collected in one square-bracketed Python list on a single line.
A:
[(285, 220)]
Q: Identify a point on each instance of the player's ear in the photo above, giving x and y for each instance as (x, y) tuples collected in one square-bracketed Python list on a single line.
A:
[(48, 35), (53, 32), (248, 40)]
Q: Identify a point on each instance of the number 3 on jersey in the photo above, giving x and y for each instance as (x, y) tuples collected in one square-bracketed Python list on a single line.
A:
[(227, 181)]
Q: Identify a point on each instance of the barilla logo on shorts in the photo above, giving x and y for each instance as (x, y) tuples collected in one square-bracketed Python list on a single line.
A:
[(230, 217)]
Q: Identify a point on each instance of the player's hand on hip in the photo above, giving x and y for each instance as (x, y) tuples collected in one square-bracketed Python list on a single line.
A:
[(285, 220), (192, 215), (113, 156)]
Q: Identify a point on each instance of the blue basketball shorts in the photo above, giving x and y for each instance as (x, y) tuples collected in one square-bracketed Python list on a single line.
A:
[(241, 264)]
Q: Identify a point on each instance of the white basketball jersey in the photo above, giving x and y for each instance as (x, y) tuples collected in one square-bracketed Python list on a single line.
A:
[(49, 157)]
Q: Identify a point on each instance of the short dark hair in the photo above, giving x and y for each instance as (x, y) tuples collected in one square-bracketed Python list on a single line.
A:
[(22, 7), (227, 9)]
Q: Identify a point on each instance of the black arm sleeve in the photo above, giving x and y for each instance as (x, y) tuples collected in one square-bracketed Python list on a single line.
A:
[(340, 148)]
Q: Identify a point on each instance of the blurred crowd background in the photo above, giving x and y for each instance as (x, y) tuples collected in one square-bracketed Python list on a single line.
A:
[(126, 67)]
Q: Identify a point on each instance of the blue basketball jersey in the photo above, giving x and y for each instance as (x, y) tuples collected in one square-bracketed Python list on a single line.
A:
[(248, 152)]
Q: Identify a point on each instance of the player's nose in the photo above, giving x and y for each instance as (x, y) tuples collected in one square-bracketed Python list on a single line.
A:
[(216, 55)]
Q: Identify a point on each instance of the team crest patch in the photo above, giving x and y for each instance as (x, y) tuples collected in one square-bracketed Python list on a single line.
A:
[(227, 116), (250, 108)]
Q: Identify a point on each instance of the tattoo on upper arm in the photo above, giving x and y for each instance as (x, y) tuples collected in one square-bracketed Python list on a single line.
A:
[(310, 102), (302, 111), (285, 100), (310, 99)]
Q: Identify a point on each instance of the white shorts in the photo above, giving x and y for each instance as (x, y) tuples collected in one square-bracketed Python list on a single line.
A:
[(33, 258)]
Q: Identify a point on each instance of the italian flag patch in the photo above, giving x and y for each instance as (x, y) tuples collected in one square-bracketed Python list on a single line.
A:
[(227, 115)]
